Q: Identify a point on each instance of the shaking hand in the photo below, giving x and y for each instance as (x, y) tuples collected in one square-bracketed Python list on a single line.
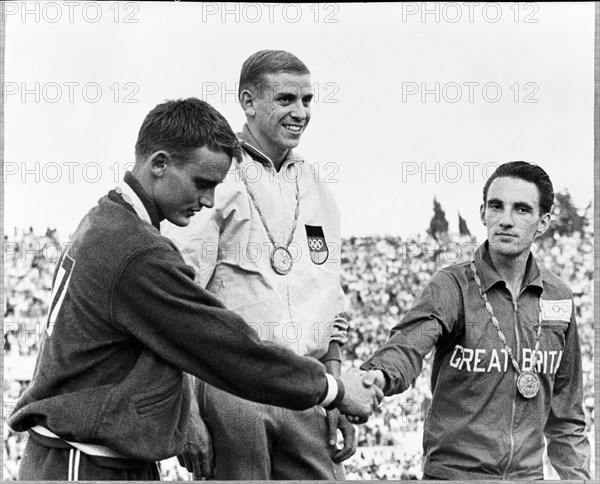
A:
[(361, 398)]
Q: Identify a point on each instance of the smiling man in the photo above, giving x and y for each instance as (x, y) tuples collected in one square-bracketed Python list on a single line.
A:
[(270, 250), (108, 398), (507, 366)]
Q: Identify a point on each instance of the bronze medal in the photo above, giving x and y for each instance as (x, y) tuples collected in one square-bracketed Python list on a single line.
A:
[(281, 260), (528, 384)]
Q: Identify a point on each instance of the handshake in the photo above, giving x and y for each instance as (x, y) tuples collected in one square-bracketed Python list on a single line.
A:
[(363, 394)]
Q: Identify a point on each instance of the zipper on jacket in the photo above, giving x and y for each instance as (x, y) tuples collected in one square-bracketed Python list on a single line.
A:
[(514, 404)]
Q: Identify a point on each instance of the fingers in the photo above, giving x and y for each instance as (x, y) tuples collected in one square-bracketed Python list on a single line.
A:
[(355, 419), (185, 460), (374, 378), (363, 394), (333, 417), (349, 434), (197, 467), (207, 465), (378, 394)]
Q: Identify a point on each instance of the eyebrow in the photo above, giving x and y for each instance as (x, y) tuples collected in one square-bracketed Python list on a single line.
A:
[(497, 201), (292, 96), (204, 182), (523, 205)]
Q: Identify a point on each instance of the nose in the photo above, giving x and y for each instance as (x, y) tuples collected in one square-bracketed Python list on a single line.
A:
[(506, 220), (207, 198), (299, 111)]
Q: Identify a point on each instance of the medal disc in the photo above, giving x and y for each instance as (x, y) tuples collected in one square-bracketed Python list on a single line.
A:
[(528, 384), (281, 260)]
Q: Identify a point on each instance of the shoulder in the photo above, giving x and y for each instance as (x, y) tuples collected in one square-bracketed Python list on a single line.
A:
[(113, 226), (316, 180), (554, 286), (458, 274)]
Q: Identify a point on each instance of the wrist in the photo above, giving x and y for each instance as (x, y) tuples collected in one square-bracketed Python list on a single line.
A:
[(334, 394)]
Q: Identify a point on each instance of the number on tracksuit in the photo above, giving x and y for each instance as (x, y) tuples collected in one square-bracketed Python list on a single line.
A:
[(59, 289)]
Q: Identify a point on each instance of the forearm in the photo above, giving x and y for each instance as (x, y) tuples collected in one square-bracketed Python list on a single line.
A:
[(160, 305), (568, 447)]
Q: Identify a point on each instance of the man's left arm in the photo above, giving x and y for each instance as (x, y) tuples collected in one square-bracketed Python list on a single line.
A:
[(568, 445), (333, 365)]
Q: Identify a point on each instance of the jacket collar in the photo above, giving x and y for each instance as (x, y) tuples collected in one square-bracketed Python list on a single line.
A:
[(134, 195), (489, 277), (249, 143)]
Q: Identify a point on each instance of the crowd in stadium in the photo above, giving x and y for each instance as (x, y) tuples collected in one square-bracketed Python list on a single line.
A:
[(382, 276)]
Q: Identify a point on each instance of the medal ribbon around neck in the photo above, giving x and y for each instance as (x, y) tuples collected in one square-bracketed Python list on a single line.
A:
[(281, 259), (527, 382)]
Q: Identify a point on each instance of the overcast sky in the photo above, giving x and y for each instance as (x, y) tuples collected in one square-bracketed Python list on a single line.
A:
[(411, 101)]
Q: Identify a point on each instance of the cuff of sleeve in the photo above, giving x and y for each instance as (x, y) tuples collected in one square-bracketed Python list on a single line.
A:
[(335, 393)]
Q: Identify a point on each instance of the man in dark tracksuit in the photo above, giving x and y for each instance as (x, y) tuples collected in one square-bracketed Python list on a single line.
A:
[(494, 400), (108, 397)]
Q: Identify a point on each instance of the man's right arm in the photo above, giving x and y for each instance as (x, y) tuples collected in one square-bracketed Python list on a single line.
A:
[(395, 365), (157, 302)]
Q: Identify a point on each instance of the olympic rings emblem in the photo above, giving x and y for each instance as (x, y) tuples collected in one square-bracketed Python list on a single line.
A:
[(315, 244), (560, 309)]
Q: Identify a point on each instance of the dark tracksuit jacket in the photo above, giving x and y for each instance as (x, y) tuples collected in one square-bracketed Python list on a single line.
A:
[(131, 320), (478, 425)]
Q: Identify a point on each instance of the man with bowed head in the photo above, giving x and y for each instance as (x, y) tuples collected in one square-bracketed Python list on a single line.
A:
[(108, 397), (507, 369), (270, 250)]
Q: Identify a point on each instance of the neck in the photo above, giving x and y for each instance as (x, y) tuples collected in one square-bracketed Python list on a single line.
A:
[(511, 269), (275, 153), (145, 192)]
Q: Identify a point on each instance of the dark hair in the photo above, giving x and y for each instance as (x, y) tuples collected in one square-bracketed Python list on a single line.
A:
[(527, 172), (184, 125), (268, 62)]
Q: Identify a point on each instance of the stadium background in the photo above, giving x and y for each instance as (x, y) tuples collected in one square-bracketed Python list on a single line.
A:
[(364, 58), (382, 276)]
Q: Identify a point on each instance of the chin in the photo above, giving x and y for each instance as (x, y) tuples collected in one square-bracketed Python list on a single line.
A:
[(180, 221), (507, 250), (289, 143)]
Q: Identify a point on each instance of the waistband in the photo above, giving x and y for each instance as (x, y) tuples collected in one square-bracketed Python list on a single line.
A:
[(89, 449), (57, 443)]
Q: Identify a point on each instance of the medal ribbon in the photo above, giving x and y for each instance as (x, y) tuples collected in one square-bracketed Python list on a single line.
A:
[(496, 324), (262, 217)]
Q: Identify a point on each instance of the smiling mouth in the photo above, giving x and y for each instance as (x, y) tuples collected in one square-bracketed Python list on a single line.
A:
[(293, 128)]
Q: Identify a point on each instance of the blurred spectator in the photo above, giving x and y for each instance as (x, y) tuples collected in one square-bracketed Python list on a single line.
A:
[(382, 276)]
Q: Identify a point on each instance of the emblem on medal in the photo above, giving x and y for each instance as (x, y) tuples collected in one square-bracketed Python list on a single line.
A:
[(281, 260), (528, 384)]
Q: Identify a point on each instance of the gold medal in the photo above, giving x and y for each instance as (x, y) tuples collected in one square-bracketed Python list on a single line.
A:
[(528, 384), (281, 260)]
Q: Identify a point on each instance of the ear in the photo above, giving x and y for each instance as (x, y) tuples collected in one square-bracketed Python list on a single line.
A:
[(482, 213), (247, 102), (543, 224), (159, 160)]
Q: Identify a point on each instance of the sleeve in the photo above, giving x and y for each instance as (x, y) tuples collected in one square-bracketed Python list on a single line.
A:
[(431, 319), (568, 446), (156, 300), (198, 242)]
